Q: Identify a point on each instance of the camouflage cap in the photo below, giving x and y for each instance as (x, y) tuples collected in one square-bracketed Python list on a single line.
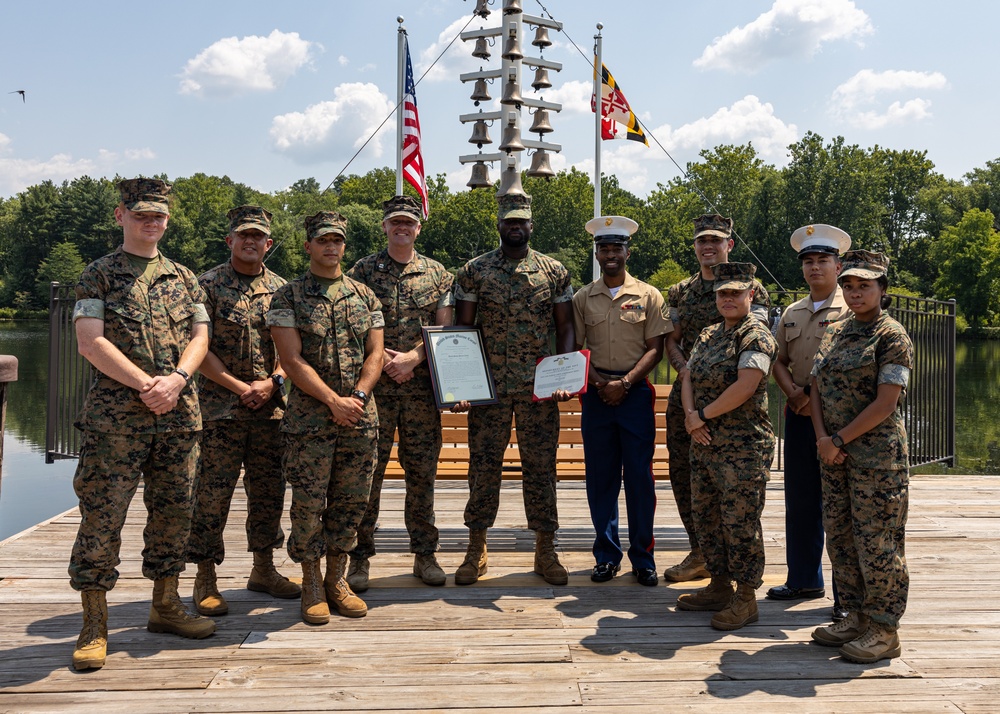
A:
[(514, 205), (733, 276), (325, 222), (714, 225), (145, 194), (864, 264), (245, 218), (402, 206)]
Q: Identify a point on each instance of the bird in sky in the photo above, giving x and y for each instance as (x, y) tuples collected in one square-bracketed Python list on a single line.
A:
[(18, 91)]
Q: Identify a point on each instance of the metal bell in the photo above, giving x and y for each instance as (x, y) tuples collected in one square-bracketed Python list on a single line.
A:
[(482, 8), (511, 139), (480, 135), (540, 166), (482, 49), (541, 123), (541, 79), (541, 37), (480, 176), (510, 182), (512, 7), (512, 48), (480, 93), (511, 94)]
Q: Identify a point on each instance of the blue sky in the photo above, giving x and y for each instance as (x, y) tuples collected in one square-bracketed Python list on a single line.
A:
[(268, 93)]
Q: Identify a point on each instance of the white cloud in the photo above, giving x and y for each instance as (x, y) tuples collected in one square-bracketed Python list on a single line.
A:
[(336, 128), (251, 64), (791, 28), (343, 61), (748, 119), (853, 100), (457, 60), (573, 95)]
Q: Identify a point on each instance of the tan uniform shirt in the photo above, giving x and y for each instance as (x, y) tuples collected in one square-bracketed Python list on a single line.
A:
[(800, 331), (615, 330)]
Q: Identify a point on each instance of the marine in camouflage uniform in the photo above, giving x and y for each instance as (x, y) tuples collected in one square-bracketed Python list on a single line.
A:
[(729, 471), (140, 320), (517, 297), (864, 363), (415, 291), (692, 308), (328, 331), (241, 405)]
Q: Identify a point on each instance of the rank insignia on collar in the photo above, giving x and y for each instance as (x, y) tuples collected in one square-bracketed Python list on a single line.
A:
[(789, 324)]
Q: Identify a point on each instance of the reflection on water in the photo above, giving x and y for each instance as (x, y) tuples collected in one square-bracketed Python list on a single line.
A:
[(32, 491)]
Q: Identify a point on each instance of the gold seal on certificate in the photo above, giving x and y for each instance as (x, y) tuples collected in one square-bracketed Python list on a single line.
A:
[(566, 371), (460, 369)]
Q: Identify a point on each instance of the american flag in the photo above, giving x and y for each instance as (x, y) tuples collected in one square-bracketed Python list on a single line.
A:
[(413, 160)]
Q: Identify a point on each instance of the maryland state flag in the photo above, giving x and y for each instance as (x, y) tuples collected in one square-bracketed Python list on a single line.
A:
[(617, 119)]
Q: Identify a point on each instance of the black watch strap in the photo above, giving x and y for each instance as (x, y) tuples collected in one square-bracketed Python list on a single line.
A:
[(181, 372), (361, 395), (837, 441)]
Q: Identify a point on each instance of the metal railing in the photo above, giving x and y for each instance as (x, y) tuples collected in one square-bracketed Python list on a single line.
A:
[(70, 376)]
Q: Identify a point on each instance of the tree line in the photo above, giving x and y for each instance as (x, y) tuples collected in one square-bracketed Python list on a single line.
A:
[(941, 233)]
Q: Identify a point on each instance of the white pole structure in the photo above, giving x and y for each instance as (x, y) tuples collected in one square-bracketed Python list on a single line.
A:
[(598, 87), (400, 79)]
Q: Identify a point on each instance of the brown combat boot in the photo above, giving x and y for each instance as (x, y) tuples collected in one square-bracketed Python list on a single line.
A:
[(264, 578), (546, 561), (338, 592), (358, 573), (878, 642), (475, 563), (741, 610), (207, 598), (427, 569), (691, 568), (92, 644), (714, 597), (315, 611), (840, 633), (168, 614)]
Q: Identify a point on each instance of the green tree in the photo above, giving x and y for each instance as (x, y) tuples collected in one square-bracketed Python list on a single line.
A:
[(63, 265), (968, 258)]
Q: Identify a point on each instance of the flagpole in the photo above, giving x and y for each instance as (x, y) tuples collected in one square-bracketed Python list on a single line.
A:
[(598, 115), (400, 71)]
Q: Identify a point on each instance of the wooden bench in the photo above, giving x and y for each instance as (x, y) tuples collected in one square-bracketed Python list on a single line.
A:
[(454, 460)]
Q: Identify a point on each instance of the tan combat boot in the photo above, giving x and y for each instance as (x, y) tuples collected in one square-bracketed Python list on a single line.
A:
[(878, 642), (92, 644), (358, 573), (741, 610), (475, 563), (840, 633), (207, 598), (427, 569), (264, 578), (315, 610), (691, 568), (167, 613), (546, 561), (338, 592), (714, 597)]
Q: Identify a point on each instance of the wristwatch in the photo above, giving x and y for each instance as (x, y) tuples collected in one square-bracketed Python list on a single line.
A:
[(278, 380), (181, 372), (625, 383), (360, 395), (837, 441)]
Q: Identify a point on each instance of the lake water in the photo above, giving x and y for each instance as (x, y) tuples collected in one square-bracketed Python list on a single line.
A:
[(32, 491)]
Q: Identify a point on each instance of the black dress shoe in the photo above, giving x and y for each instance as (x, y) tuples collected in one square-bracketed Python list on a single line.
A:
[(603, 572), (646, 576), (783, 592), (838, 613)]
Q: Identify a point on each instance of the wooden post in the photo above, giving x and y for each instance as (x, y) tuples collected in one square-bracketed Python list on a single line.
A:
[(8, 373)]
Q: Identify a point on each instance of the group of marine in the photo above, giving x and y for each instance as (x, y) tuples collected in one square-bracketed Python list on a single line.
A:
[(307, 383)]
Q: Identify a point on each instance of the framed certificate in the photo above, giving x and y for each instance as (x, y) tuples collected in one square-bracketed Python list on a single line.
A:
[(459, 366), (566, 371)]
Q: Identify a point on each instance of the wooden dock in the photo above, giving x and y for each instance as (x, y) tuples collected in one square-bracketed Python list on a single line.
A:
[(512, 644)]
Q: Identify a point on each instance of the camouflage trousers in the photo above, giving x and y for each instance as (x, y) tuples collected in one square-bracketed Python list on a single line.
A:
[(864, 515), (331, 478), (106, 479), (727, 496), (227, 445), (537, 437), (679, 446), (419, 423)]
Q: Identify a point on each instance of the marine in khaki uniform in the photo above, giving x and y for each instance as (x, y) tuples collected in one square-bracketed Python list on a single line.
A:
[(518, 297), (241, 407), (415, 291), (622, 321), (693, 308), (800, 329), (725, 398), (327, 328), (140, 320), (859, 381)]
